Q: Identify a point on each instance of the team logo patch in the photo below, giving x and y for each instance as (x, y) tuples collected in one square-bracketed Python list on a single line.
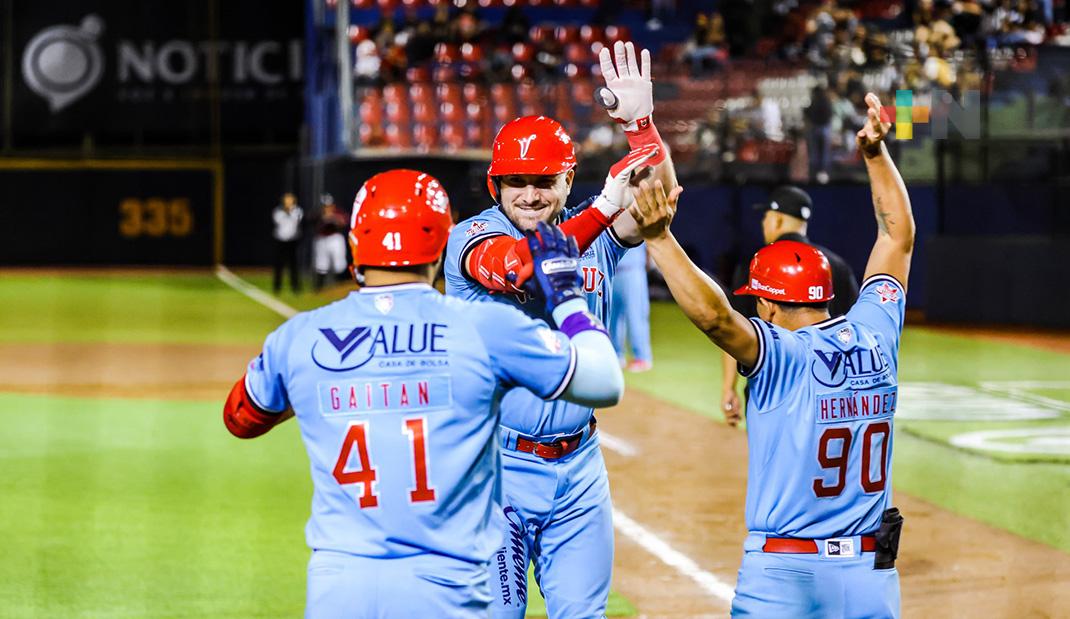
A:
[(342, 350), (844, 335), (842, 547), (384, 303), (888, 293), (477, 227)]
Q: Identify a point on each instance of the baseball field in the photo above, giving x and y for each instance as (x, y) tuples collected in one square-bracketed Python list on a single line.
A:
[(124, 496)]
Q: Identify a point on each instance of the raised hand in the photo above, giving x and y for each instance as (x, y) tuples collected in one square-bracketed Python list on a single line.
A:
[(653, 210), (870, 136), (555, 260), (630, 83), (614, 196)]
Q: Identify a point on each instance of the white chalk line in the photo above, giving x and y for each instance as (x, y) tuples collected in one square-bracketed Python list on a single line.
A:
[(621, 521), (229, 278)]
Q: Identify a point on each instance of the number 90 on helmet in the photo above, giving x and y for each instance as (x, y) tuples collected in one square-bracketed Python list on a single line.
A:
[(789, 272), (400, 218)]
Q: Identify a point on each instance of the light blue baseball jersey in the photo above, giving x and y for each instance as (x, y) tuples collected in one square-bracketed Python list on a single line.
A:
[(523, 410), (396, 391), (820, 407)]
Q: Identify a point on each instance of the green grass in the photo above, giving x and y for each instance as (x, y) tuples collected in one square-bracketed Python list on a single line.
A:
[(1030, 499), (116, 508), (124, 308)]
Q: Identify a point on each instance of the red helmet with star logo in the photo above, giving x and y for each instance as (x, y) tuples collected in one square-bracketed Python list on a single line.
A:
[(400, 217), (530, 145), (789, 272)]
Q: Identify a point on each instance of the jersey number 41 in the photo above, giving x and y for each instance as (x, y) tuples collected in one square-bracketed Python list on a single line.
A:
[(357, 440)]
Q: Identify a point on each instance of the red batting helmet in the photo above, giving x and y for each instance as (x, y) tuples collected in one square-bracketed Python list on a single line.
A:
[(789, 272), (400, 217), (530, 145)]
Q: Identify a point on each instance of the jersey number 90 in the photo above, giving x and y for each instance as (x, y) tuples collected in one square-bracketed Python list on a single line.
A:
[(357, 440), (839, 462)]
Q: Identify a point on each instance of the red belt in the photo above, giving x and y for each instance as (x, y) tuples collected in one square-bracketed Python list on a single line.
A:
[(556, 449), (797, 546)]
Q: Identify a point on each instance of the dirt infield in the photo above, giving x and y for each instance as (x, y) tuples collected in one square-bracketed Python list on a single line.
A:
[(685, 485)]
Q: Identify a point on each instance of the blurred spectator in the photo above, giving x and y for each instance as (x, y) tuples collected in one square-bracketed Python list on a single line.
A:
[(706, 47), (772, 127), (819, 131), (287, 217), (329, 247)]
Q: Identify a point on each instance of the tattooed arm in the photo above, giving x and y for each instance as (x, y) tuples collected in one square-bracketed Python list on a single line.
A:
[(891, 204)]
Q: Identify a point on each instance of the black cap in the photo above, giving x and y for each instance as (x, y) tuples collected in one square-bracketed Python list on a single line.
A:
[(790, 201)]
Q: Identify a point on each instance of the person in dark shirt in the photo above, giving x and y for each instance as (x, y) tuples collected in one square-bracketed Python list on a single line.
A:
[(787, 213)]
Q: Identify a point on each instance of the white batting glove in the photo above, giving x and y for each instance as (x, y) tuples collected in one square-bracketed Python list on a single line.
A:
[(615, 195), (630, 82)]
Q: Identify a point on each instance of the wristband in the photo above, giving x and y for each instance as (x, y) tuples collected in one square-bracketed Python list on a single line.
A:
[(646, 133)]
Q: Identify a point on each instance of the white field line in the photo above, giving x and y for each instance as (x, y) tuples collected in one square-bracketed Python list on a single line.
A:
[(672, 557), (227, 277), (623, 523), (617, 444)]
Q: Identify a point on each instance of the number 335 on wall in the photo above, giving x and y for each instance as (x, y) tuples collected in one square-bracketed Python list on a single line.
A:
[(155, 217)]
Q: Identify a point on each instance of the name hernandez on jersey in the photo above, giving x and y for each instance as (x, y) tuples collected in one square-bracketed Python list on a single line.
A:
[(521, 410), (396, 390), (821, 404)]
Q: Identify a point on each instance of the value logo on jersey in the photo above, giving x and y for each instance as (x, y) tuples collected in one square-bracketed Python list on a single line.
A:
[(861, 366), (351, 348)]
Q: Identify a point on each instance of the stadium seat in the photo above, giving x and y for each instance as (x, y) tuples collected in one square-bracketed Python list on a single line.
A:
[(567, 34), (424, 112), (421, 93), (393, 93), (541, 34), (387, 6), (523, 52), (451, 112), (618, 33), (447, 53), (591, 34), (425, 136), (471, 53), (474, 93), (398, 136), (398, 112), (452, 136), (520, 73), (474, 112), (448, 91), (371, 112), (363, 4), (444, 73), (528, 93), (418, 73), (476, 136), (579, 53), (577, 71)]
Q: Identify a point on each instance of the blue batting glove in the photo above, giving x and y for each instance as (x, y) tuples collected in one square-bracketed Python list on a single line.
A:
[(556, 260)]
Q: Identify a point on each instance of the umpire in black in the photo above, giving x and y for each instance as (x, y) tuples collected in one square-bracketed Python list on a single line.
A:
[(787, 213)]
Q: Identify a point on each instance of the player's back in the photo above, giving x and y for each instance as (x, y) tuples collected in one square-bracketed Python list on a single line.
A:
[(820, 419), (396, 395)]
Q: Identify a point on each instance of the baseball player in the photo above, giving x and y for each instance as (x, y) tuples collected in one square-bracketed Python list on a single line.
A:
[(396, 391), (822, 397), (557, 505), (629, 325)]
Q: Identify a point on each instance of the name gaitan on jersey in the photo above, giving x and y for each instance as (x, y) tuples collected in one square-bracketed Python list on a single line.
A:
[(820, 410)]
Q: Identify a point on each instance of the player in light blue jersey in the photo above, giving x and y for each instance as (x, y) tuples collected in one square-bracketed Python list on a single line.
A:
[(557, 508), (823, 535), (396, 390)]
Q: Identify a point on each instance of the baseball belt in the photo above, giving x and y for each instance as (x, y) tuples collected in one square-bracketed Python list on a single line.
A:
[(800, 546), (557, 448)]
